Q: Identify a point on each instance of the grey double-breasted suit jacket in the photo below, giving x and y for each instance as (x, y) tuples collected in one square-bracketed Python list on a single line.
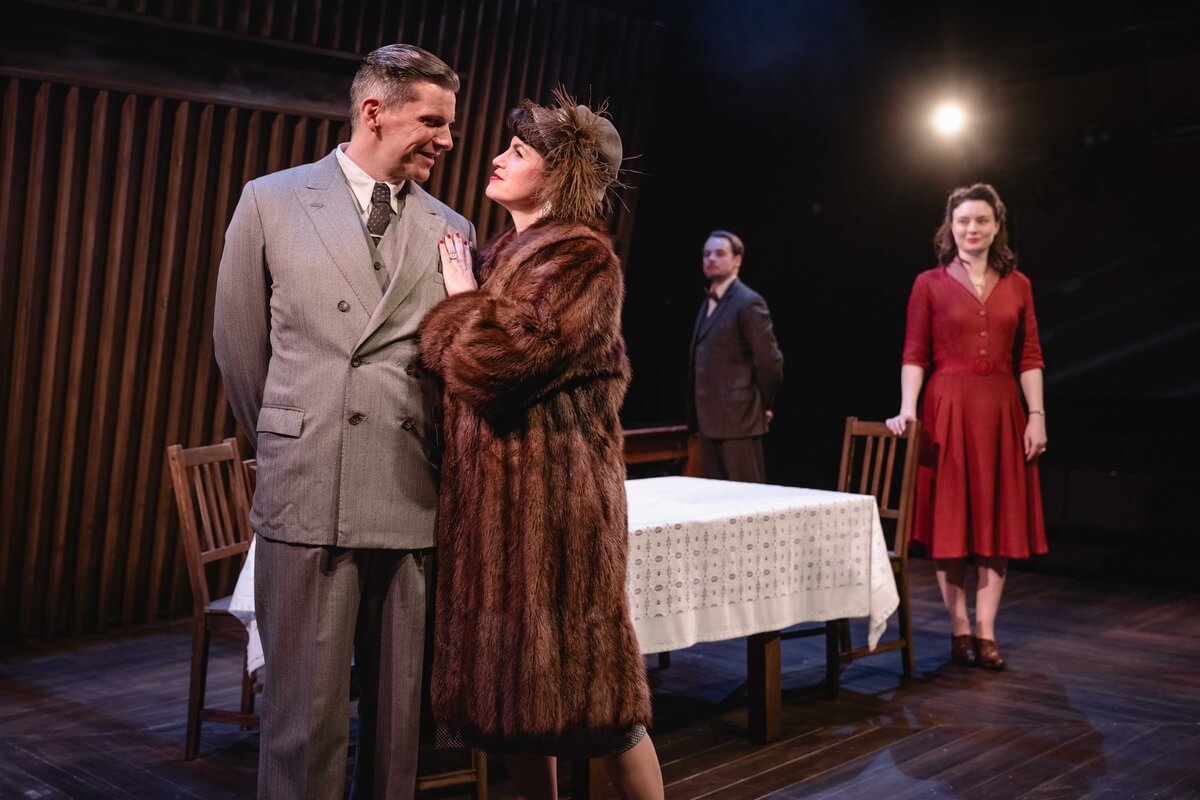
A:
[(321, 365)]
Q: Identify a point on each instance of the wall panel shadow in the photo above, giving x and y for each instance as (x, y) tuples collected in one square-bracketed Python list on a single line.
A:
[(128, 131)]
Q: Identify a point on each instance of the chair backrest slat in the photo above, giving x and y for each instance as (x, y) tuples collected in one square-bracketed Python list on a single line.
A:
[(225, 480), (868, 446), (203, 500), (885, 502), (881, 447)]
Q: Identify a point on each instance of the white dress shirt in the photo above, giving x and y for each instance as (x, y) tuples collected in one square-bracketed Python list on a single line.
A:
[(362, 185)]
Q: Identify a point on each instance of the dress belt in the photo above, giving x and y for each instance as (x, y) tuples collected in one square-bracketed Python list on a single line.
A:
[(981, 365)]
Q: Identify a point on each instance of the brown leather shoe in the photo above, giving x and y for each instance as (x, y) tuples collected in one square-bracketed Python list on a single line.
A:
[(962, 650), (989, 654)]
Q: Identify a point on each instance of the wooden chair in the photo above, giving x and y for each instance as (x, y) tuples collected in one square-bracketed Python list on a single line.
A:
[(214, 523), (878, 463), (474, 776)]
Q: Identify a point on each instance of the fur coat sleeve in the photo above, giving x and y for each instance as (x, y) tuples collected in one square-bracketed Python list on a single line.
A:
[(542, 319)]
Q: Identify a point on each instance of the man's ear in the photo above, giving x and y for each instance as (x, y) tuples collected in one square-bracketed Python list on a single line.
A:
[(369, 113)]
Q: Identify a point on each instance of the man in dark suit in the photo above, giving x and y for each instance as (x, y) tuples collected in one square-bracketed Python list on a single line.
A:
[(327, 272), (734, 370)]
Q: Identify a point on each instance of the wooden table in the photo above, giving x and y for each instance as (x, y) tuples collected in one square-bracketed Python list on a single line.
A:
[(713, 560)]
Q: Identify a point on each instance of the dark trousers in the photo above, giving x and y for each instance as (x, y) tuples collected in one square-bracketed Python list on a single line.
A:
[(316, 607), (733, 459)]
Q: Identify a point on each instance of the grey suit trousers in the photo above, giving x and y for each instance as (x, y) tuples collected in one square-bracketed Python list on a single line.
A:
[(316, 607)]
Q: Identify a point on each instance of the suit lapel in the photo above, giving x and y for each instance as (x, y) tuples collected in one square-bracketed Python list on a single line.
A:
[(420, 229), (327, 202), (699, 323)]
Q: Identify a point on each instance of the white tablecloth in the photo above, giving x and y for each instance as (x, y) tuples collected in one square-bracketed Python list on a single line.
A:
[(241, 605), (711, 560)]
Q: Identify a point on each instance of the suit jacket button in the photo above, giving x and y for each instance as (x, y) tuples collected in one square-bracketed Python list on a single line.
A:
[(356, 362), (356, 419), (410, 370), (407, 424), (343, 306), (378, 266)]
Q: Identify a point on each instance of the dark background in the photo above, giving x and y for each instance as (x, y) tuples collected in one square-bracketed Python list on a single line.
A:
[(803, 127)]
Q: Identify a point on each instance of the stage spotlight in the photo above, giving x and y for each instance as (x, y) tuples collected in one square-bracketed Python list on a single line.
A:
[(949, 119)]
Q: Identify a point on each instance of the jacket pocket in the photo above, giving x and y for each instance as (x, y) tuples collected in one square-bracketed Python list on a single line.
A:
[(281, 420)]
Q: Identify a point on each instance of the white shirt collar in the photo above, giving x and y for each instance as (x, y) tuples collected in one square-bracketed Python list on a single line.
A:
[(724, 285), (361, 184)]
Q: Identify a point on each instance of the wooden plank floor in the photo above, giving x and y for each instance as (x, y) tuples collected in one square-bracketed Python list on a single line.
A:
[(1101, 699)]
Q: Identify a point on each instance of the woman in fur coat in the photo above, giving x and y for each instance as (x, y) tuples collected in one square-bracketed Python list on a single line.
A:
[(535, 656)]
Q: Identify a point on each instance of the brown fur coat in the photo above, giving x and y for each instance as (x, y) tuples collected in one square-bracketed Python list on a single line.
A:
[(533, 641)]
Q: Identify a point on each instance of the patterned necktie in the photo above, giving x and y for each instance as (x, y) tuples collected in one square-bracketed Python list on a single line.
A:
[(381, 211)]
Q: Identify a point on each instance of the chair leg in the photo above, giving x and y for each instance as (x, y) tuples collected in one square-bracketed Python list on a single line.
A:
[(906, 625), (247, 690), (479, 761), (199, 675)]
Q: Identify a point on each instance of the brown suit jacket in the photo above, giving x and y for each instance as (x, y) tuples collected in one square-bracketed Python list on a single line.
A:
[(735, 366)]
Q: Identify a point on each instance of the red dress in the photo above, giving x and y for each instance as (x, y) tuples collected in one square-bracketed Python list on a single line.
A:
[(976, 494)]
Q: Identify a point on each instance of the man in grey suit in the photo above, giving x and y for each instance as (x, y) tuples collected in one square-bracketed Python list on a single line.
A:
[(327, 271), (734, 370)]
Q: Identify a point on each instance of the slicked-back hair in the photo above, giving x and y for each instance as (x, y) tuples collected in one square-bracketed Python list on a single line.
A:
[(735, 241), (391, 73)]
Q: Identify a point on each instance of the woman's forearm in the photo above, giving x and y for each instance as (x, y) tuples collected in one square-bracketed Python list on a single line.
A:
[(1031, 387), (911, 378)]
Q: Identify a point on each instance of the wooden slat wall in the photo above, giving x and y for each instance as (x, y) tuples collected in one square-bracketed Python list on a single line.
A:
[(113, 205)]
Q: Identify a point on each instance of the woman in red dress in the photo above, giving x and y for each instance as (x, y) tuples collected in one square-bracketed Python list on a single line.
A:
[(972, 320)]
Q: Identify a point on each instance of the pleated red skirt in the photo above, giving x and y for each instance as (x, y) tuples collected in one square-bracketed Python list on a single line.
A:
[(976, 494)]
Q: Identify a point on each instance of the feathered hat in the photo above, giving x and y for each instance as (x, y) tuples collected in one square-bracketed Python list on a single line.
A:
[(582, 150)]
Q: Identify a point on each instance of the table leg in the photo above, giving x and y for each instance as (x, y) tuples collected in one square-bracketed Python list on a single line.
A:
[(765, 701)]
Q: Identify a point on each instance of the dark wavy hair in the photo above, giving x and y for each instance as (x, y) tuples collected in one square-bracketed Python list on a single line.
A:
[(1000, 256)]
